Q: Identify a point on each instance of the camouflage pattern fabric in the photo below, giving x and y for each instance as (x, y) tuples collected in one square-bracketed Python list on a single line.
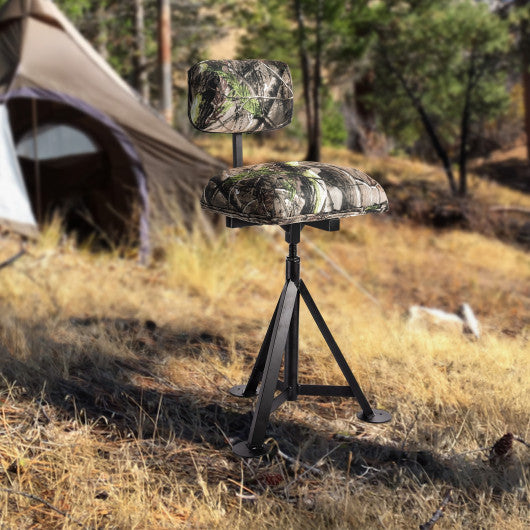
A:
[(293, 192), (240, 96)]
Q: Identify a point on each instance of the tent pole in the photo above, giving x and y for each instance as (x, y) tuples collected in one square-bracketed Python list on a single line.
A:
[(36, 165)]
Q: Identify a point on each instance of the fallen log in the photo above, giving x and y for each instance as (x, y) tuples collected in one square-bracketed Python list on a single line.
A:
[(513, 209)]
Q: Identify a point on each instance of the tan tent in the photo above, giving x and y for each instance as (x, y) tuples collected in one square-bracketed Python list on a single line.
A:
[(85, 142)]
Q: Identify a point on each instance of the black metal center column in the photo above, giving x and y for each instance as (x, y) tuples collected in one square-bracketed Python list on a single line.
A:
[(237, 149), (292, 272)]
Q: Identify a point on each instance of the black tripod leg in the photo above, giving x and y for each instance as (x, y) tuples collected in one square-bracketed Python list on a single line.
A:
[(254, 445), (368, 414), (249, 390), (291, 353)]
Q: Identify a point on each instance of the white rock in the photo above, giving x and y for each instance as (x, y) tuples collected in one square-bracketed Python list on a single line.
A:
[(471, 324), (430, 317)]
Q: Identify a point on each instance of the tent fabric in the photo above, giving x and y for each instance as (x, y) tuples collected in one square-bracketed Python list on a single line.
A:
[(42, 53), (15, 209), (9, 47), (110, 200)]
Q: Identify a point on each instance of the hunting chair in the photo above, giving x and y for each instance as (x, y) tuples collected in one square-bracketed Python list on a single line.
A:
[(256, 95)]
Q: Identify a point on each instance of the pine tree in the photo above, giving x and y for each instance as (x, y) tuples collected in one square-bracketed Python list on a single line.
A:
[(439, 66)]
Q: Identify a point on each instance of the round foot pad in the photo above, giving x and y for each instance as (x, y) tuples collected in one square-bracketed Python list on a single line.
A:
[(239, 391), (244, 451), (380, 416)]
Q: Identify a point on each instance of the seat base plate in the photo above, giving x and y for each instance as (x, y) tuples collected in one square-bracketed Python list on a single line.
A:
[(380, 416), (239, 391), (244, 451)]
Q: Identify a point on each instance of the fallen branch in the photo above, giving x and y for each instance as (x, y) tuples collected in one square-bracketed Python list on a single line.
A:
[(479, 450), (312, 468), (465, 321), (252, 494), (296, 462), (518, 439), (516, 209), (12, 259), (43, 501), (438, 514)]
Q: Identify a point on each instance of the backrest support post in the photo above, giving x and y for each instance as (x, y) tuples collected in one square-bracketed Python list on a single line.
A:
[(237, 149)]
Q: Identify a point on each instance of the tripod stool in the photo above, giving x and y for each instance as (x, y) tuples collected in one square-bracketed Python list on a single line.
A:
[(248, 96)]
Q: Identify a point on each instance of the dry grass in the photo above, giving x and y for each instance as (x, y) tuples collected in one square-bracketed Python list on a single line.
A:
[(109, 422)]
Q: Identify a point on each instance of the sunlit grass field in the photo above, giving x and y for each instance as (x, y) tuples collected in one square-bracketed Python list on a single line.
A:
[(115, 411)]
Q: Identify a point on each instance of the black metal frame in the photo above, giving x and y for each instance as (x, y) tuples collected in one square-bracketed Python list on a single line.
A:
[(281, 342)]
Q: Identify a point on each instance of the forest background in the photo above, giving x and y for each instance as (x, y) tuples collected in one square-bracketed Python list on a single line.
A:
[(444, 80)]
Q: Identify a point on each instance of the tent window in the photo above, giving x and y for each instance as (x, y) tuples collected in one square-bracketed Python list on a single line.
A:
[(55, 141)]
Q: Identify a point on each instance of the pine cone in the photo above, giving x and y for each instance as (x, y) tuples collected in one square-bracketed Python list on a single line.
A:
[(272, 479), (501, 448)]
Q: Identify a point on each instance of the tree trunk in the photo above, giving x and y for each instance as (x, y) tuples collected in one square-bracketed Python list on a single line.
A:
[(306, 77), (142, 80), (440, 151), (102, 38), (464, 129), (164, 49), (316, 136), (426, 121), (462, 161), (525, 55), (360, 119)]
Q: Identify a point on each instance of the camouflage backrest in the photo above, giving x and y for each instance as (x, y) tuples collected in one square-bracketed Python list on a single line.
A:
[(240, 96)]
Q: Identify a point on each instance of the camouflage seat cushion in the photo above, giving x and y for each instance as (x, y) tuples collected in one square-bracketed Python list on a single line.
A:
[(293, 192), (239, 96)]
